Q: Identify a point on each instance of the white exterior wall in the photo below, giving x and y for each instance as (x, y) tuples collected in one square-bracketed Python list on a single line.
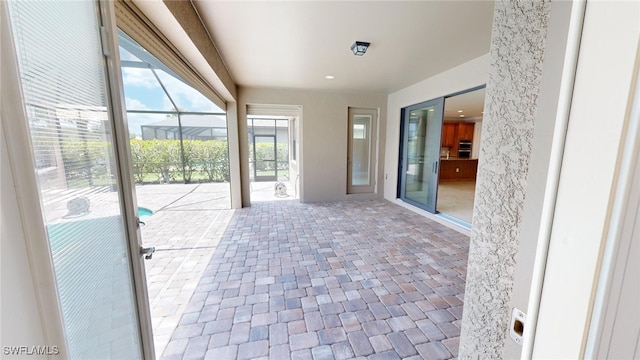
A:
[(322, 140)]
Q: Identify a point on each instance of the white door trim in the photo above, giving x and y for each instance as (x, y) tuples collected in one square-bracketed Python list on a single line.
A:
[(123, 159), (624, 214), (588, 183), (553, 175)]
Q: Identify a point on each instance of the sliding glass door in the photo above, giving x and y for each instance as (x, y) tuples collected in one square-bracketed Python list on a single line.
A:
[(420, 153), (84, 191)]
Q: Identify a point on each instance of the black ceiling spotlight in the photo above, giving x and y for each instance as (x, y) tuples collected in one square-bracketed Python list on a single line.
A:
[(360, 47)]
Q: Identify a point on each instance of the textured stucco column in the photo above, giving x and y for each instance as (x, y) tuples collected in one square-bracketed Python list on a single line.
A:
[(515, 71)]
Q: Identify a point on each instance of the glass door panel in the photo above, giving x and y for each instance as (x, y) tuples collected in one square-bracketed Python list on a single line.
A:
[(422, 128), (63, 77), (361, 160), (266, 158), (360, 148)]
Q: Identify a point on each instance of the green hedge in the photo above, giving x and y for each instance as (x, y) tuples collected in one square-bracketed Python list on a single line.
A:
[(265, 151), (159, 161), (154, 161), (85, 161)]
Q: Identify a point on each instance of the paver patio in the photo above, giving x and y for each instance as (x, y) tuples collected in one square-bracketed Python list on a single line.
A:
[(187, 224), (287, 280)]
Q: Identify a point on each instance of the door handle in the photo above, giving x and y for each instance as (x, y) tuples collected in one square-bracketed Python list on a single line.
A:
[(147, 252), (436, 167)]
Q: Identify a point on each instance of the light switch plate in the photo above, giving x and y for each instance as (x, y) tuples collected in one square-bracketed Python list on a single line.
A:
[(516, 330)]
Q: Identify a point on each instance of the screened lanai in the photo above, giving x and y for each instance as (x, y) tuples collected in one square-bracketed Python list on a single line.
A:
[(179, 152), (177, 135)]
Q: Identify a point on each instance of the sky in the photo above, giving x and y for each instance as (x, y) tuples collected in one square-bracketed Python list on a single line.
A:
[(143, 92)]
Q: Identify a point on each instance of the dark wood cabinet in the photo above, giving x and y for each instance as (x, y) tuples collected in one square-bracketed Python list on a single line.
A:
[(449, 134), (465, 131), (452, 133), (457, 170)]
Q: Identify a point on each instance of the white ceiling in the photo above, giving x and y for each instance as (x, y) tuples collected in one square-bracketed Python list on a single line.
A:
[(295, 44), (469, 104)]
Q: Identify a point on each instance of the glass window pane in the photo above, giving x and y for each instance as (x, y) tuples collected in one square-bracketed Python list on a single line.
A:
[(361, 150), (423, 127), (282, 139), (61, 69), (266, 160), (359, 131), (294, 139), (251, 152)]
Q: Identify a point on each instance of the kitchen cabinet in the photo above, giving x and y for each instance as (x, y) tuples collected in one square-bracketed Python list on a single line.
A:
[(465, 131), (452, 133), (458, 169), (449, 134)]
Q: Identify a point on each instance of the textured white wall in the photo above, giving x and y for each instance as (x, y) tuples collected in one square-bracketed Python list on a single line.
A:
[(553, 99), (515, 72)]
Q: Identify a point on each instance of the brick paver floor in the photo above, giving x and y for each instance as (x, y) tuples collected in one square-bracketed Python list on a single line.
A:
[(187, 224), (361, 279)]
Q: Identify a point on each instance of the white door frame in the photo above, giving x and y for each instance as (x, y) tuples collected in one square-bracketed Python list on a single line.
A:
[(123, 160), (592, 165), (609, 305)]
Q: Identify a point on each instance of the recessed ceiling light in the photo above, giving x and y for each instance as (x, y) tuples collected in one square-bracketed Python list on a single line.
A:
[(430, 109), (460, 111), (413, 114), (461, 115), (329, 77)]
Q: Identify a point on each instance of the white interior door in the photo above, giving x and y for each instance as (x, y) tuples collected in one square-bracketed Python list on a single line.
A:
[(86, 197)]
